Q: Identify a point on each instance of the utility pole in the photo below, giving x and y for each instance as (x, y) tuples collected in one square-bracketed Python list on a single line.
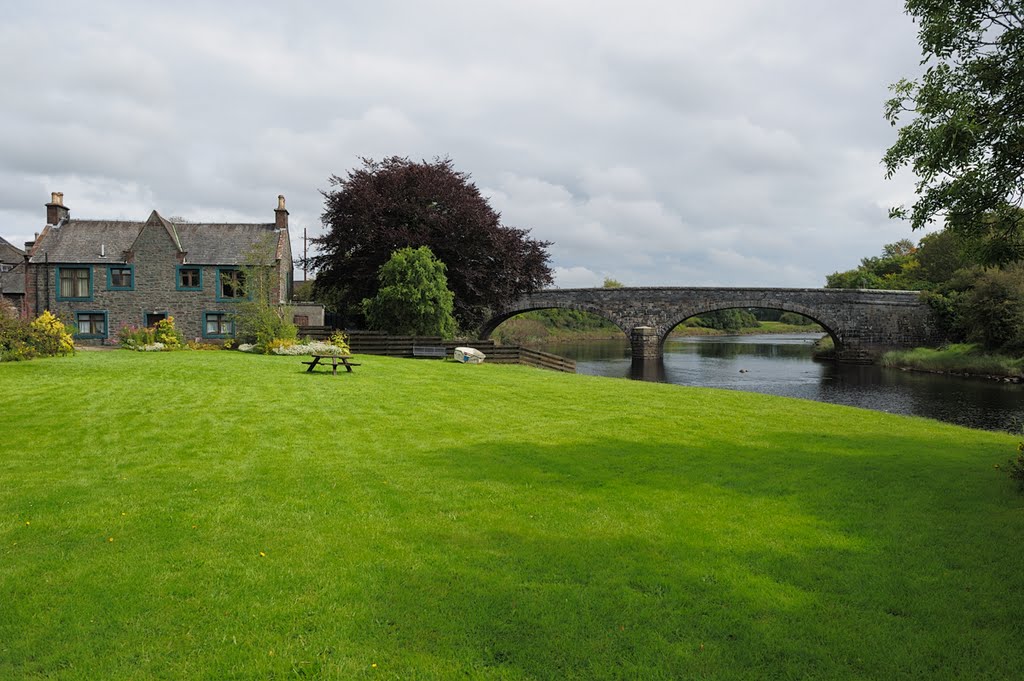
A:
[(305, 255)]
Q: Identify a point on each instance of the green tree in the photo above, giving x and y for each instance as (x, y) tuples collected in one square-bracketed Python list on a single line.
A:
[(896, 268), (413, 298), (732, 319), (965, 139), (259, 317), (394, 203), (611, 283), (991, 312)]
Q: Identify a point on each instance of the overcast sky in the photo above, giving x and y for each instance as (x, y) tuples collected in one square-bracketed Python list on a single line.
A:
[(680, 143)]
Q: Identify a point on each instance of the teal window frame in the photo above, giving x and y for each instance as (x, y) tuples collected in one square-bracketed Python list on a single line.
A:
[(227, 319), (110, 277), (177, 278), (220, 285), (57, 273), (106, 324)]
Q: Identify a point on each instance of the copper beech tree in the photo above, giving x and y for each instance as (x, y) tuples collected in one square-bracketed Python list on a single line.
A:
[(396, 203)]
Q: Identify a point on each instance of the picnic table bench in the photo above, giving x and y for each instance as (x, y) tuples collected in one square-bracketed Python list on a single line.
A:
[(335, 360)]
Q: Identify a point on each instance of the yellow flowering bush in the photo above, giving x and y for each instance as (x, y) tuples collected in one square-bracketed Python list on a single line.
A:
[(164, 332), (50, 337)]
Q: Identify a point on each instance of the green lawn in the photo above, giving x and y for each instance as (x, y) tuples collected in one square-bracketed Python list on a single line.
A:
[(226, 516)]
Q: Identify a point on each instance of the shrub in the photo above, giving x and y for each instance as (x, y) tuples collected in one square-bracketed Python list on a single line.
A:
[(49, 336), (1015, 469), (15, 336), (193, 345), (165, 333), (160, 336), (992, 312), (136, 337), (340, 341)]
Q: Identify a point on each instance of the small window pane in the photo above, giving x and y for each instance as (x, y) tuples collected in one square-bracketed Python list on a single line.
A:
[(121, 277), (188, 278), (74, 282)]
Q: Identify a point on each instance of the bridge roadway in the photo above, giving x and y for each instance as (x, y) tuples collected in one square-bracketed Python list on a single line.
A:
[(863, 323)]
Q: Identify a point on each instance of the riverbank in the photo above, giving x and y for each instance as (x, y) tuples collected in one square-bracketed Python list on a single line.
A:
[(960, 359), (435, 520)]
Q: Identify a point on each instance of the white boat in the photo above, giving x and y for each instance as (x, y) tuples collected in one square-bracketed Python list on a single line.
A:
[(469, 356)]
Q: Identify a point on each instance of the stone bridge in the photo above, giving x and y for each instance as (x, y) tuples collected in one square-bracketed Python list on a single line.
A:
[(862, 323)]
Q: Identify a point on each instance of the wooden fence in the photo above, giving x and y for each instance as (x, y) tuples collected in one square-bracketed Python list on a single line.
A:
[(370, 343)]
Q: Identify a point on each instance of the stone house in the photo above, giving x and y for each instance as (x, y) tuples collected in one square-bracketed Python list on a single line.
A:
[(12, 274), (102, 275)]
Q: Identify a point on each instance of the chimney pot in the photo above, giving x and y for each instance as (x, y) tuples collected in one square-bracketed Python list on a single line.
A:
[(56, 210), (281, 213)]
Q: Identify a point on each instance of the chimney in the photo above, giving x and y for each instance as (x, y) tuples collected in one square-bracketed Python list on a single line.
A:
[(280, 214), (55, 209)]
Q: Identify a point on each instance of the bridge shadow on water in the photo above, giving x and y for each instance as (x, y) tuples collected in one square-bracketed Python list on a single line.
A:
[(652, 370)]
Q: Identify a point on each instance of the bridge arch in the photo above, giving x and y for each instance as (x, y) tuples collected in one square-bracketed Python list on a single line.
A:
[(494, 322), (831, 326)]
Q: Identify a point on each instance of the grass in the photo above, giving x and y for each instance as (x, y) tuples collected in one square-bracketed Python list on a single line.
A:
[(227, 516), (960, 358)]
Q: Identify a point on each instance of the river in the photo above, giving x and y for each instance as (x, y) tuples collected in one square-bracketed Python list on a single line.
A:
[(781, 364)]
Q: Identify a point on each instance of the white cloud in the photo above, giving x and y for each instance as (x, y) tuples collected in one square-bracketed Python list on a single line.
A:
[(653, 142)]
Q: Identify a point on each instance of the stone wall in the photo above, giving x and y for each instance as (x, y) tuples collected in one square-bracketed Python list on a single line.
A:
[(155, 292)]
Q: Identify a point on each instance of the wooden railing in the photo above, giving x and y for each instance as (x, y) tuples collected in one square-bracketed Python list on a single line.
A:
[(371, 343)]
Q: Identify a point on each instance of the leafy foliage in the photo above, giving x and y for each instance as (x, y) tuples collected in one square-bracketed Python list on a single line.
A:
[(395, 203), (413, 298), (971, 303), (50, 337), (1015, 467), (991, 312), (727, 320), (965, 140), (897, 268), (258, 317), (15, 336)]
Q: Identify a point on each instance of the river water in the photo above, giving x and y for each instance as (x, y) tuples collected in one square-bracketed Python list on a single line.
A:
[(781, 364)]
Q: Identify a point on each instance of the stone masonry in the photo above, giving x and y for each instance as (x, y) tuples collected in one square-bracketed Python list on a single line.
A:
[(155, 251), (863, 323)]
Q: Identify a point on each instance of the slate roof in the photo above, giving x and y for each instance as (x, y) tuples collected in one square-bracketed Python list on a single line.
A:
[(82, 241), (9, 252), (13, 281)]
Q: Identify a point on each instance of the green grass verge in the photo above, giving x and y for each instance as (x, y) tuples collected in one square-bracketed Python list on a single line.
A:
[(222, 516), (961, 358)]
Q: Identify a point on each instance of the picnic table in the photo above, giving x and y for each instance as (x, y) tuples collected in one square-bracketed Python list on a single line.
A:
[(334, 360)]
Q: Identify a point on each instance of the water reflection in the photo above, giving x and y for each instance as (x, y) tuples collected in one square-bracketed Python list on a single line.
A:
[(782, 365), (652, 370)]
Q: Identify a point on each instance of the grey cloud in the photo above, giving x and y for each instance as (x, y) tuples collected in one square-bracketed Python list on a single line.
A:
[(653, 142)]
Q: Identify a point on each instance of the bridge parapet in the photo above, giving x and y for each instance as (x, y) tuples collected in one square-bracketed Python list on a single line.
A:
[(862, 322)]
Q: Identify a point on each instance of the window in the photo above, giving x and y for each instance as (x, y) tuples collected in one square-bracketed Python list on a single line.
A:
[(232, 284), (190, 279), (91, 324), (217, 325), (74, 283), (4, 267), (121, 278), (152, 318)]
